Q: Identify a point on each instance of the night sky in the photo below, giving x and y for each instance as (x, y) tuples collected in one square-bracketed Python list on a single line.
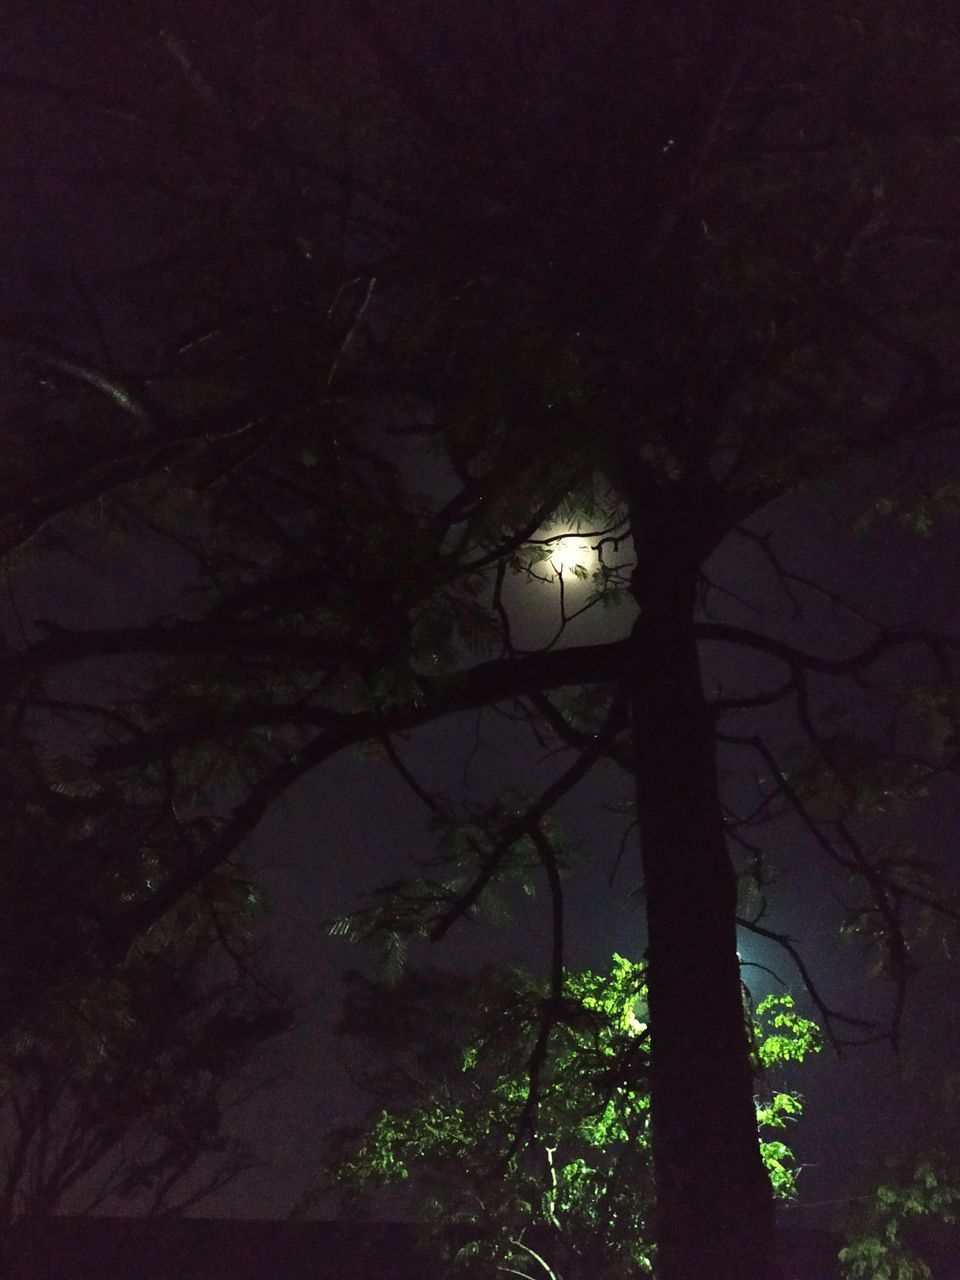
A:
[(336, 835)]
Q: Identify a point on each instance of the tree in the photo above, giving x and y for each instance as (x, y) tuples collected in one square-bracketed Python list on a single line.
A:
[(879, 1244), (892, 1230), (451, 1072), (132, 1107), (448, 290), (117, 1085)]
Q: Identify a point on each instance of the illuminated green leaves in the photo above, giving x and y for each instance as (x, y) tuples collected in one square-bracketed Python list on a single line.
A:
[(782, 1034), (585, 1171)]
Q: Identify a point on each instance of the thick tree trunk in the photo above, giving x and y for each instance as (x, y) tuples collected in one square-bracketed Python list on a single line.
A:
[(715, 1218)]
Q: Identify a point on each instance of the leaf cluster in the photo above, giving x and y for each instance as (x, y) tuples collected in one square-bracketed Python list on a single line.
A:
[(456, 1057)]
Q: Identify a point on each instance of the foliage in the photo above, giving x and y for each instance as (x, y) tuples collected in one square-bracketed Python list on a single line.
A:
[(880, 1247), (573, 1194), (125, 1104), (117, 1088), (903, 1223)]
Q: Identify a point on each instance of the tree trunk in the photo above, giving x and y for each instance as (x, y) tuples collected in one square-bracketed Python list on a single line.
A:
[(715, 1217)]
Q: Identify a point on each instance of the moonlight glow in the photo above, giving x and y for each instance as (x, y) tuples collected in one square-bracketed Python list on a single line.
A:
[(569, 551)]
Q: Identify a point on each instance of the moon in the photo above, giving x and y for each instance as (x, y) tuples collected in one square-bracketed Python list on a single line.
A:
[(569, 551)]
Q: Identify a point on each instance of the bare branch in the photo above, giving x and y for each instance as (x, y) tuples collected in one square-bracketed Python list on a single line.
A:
[(829, 1015), (528, 823)]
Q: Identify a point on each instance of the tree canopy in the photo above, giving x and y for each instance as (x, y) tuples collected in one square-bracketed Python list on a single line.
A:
[(447, 1062), (349, 330), (118, 1083)]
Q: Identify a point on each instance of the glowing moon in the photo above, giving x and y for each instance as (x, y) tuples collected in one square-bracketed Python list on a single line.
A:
[(571, 550)]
